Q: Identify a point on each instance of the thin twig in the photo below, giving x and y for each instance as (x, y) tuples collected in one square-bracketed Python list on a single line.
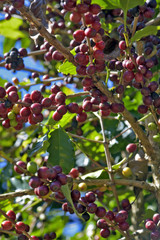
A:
[(16, 194), (83, 138), (126, 182), (108, 161)]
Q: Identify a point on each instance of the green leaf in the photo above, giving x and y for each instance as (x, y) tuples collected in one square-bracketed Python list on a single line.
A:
[(40, 144), (2, 82), (149, 30), (102, 3), (10, 28), (67, 68), (8, 44), (123, 4), (100, 174), (61, 150), (67, 193)]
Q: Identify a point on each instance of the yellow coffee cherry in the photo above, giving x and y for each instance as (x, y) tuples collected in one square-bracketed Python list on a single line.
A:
[(126, 172), (82, 187)]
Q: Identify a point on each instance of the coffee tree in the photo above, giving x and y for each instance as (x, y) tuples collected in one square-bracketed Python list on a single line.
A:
[(79, 141)]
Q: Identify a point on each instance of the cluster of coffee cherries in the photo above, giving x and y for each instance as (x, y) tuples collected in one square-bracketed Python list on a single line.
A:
[(44, 181), (16, 112), (14, 59), (20, 227), (52, 53), (107, 219), (9, 10), (153, 226)]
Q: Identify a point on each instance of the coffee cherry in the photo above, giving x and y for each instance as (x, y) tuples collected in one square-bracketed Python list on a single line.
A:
[(124, 226), (58, 56), (32, 167), (139, 77), (126, 172), (22, 165), (152, 126), (20, 226), (153, 86), (122, 45), (81, 117), (156, 138), (43, 172), (56, 116), (110, 215), (11, 214), (62, 178), (82, 8), (142, 109), (2, 92), (74, 173), (105, 233), (101, 223), (6, 225), (75, 194), (41, 191), (121, 216), (60, 98), (6, 123), (140, 60), (35, 238), (91, 69), (128, 76), (150, 225), (100, 212), (86, 216), (13, 97), (52, 235), (91, 208), (131, 147), (155, 235), (98, 54), (22, 237), (94, 8), (156, 218), (35, 182), (82, 187), (23, 52), (55, 186), (79, 35), (46, 102), (90, 197), (36, 96), (80, 208), (75, 17), (58, 169)]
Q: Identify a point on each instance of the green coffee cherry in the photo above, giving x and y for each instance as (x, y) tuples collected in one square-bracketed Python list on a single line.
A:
[(32, 167), (11, 115), (156, 138), (152, 126), (13, 123)]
